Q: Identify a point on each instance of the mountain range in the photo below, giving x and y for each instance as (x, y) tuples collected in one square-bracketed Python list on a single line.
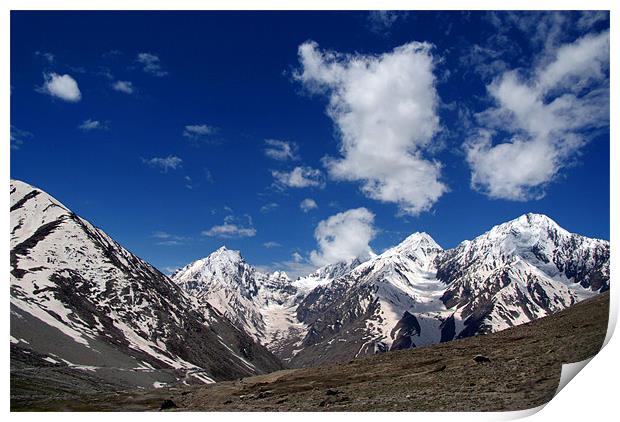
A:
[(79, 299)]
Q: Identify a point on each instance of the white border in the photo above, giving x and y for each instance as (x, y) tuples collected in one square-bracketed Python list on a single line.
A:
[(590, 396)]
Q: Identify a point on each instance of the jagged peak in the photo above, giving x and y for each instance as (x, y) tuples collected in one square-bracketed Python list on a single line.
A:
[(225, 253), (421, 238)]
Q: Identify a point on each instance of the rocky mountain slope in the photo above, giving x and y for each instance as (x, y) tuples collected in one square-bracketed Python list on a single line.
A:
[(263, 305), (80, 300), (411, 295), (517, 368), (417, 294)]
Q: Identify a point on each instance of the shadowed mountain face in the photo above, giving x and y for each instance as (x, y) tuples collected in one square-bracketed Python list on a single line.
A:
[(80, 300), (411, 295)]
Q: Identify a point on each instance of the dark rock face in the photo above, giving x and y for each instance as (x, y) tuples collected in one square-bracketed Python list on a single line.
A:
[(403, 332), (70, 275)]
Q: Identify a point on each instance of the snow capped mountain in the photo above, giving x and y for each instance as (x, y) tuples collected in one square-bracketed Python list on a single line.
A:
[(411, 295), (264, 305), (416, 294), (519, 271), (82, 300), (261, 304)]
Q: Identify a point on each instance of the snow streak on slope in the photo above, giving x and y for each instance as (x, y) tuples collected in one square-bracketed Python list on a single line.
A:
[(74, 279), (416, 294)]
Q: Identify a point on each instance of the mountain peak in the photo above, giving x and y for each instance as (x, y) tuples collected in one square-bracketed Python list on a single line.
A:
[(418, 240), (227, 254), (530, 222)]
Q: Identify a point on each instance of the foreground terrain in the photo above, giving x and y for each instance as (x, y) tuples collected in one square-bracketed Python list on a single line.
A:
[(518, 368)]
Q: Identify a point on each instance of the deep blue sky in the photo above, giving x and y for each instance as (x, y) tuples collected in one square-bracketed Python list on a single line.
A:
[(233, 71)]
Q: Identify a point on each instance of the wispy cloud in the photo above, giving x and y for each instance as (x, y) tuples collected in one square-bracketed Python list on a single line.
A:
[(230, 231), (90, 124), (268, 207), (271, 245), (151, 64), (281, 150), (49, 57), (299, 177), (168, 239), (164, 164), (382, 21), (18, 136), (123, 86), (61, 86), (233, 227), (199, 132)]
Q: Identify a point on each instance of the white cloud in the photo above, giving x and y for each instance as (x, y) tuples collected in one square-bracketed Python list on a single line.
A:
[(308, 204), (164, 164), (385, 108), (545, 117), (151, 64), (61, 86), (228, 230), (281, 150), (299, 177), (296, 257), (198, 132), (90, 124), (344, 236), (271, 244), (123, 86), (233, 227)]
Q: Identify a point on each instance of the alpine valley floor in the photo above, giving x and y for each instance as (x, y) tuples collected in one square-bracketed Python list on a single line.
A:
[(514, 369)]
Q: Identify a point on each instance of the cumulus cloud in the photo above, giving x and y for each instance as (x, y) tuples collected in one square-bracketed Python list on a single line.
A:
[(540, 122), (90, 124), (308, 204), (299, 177), (164, 164), (281, 150), (344, 236), (123, 86), (61, 86), (385, 108), (151, 64)]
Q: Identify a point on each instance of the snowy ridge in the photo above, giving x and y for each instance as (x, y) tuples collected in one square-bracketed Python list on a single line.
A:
[(411, 295), (416, 294), (72, 277)]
